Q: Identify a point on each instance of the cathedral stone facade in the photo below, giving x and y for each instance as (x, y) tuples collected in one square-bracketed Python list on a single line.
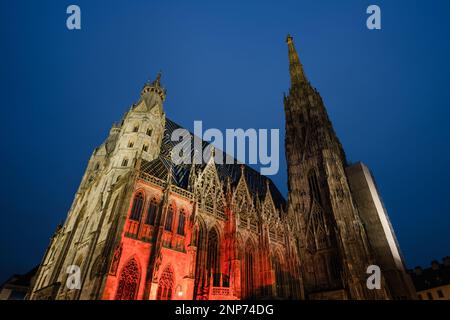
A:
[(143, 228)]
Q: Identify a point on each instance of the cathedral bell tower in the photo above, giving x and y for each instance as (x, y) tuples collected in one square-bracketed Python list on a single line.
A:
[(332, 242), (142, 127)]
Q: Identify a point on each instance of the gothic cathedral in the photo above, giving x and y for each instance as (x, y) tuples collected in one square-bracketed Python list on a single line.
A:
[(143, 228)]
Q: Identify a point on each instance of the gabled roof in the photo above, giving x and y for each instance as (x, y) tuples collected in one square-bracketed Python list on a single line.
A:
[(257, 183)]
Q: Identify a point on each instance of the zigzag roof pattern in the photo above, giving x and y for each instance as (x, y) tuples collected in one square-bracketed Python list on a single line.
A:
[(257, 183)]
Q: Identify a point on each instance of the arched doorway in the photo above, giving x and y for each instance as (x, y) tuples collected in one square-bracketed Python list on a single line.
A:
[(129, 281), (165, 284)]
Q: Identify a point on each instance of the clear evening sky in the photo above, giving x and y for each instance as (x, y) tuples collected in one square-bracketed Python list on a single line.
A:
[(224, 63)]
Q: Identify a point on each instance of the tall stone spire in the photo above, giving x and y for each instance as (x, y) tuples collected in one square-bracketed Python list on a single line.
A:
[(332, 240), (295, 67)]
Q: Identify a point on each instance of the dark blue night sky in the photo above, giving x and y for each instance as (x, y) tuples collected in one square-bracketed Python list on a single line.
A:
[(226, 64)]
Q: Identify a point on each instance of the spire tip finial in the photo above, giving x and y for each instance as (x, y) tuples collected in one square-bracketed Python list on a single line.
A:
[(158, 78), (295, 66), (289, 38)]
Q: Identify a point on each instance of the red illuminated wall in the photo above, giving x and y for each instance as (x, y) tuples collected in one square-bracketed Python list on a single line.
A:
[(209, 261), (136, 244)]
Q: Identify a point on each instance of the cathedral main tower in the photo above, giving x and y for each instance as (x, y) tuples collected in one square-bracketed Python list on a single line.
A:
[(333, 246)]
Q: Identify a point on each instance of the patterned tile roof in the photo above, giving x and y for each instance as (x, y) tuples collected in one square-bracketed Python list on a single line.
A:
[(159, 167)]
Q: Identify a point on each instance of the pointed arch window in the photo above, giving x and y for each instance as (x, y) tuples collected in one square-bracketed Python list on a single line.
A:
[(279, 283), (181, 222), (129, 281), (314, 185), (213, 257), (151, 213), (136, 210), (200, 265), (136, 128), (125, 162), (249, 271), (169, 219), (165, 285)]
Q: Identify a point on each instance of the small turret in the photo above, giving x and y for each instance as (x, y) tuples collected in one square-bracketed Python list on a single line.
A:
[(153, 93)]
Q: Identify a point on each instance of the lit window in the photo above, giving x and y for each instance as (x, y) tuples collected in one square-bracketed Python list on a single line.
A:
[(181, 221), (169, 219), (136, 210), (151, 214)]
